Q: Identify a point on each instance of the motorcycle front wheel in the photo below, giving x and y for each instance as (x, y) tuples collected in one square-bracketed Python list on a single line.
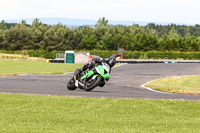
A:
[(92, 83), (71, 84)]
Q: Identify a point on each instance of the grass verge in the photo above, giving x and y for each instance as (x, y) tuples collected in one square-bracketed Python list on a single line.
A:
[(30, 67), (31, 113), (16, 57), (189, 84)]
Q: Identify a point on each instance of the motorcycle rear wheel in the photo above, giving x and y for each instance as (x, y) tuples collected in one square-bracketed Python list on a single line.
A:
[(92, 83), (71, 84)]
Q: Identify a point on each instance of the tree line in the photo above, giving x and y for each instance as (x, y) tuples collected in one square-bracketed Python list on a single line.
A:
[(102, 36)]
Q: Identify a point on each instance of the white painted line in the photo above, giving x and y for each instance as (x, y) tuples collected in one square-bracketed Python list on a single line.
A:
[(24, 74), (143, 86), (118, 65), (68, 73), (20, 93)]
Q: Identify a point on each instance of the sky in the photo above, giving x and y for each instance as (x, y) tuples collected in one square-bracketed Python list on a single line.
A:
[(174, 11)]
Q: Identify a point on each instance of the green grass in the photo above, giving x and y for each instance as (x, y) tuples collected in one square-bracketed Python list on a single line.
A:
[(31, 113), (28, 67), (177, 84)]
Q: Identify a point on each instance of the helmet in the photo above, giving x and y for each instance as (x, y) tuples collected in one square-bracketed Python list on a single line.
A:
[(111, 62)]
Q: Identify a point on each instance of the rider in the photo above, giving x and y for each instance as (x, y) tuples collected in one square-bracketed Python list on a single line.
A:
[(111, 62)]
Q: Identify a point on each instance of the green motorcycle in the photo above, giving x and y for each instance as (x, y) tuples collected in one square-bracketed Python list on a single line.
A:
[(89, 79)]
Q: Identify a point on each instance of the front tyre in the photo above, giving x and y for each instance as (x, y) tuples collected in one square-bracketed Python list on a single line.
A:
[(71, 84), (92, 83)]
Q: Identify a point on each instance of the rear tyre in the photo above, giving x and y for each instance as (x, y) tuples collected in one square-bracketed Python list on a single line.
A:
[(71, 84), (92, 83)]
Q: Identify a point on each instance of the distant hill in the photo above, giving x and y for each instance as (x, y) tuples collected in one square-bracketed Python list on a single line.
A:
[(79, 22)]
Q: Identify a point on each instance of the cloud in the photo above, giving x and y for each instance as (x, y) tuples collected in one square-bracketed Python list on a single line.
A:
[(169, 2), (137, 10), (59, 8), (179, 2), (11, 9)]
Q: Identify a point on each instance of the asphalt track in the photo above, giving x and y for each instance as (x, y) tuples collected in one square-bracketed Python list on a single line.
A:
[(125, 82)]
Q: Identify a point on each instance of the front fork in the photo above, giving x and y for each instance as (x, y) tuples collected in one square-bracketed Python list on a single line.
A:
[(77, 82)]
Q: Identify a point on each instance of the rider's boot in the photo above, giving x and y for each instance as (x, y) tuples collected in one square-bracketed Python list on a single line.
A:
[(77, 71)]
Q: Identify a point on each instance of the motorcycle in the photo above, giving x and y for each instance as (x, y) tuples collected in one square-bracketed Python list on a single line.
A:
[(89, 79)]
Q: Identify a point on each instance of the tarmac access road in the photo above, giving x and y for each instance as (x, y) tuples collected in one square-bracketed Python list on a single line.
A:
[(125, 82)]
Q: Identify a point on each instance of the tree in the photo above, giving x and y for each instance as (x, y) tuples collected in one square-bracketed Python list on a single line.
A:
[(2, 39), (90, 41), (103, 36), (19, 37), (36, 23), (164, 43), (37, 34), (102, 22), (107, 42), (3, 25), (58, 37), (173, 33)]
